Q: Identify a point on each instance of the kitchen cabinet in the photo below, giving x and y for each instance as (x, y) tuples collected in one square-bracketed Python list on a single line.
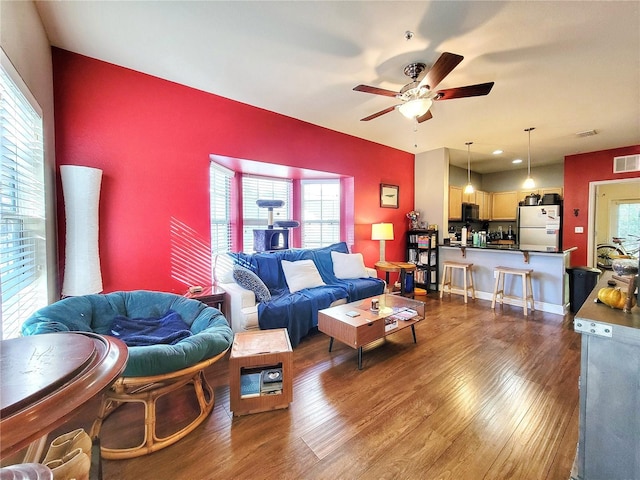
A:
[(540, 191), (483, 199), (558, 190), (522, 194), (455, 203), (469, 197), (504, 205)]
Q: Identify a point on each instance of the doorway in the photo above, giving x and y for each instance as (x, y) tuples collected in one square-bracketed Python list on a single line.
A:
[(608, 201)]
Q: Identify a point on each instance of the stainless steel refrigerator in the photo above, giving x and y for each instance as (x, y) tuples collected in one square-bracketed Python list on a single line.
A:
[(540, 227)]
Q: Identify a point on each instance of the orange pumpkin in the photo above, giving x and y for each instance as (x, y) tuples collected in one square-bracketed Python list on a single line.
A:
[(614, 297)]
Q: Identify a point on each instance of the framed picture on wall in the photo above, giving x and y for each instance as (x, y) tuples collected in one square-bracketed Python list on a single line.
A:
[(389, 195)]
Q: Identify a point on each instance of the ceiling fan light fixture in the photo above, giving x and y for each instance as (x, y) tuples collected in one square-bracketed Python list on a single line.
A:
[(415, 108)]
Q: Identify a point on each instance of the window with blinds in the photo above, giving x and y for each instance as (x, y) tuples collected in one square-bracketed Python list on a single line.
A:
[(262, 188), (220, 208), (320, 213), (23, 272)]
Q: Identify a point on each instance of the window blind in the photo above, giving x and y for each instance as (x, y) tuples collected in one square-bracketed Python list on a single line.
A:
[(23, 273), (263, 188), (320, 213), (220, 208)]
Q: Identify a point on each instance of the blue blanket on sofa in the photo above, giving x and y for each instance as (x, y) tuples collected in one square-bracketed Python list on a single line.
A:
[(298, 311)]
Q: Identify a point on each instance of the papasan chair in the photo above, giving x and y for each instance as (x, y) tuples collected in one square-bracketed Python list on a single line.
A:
[(142, 318)]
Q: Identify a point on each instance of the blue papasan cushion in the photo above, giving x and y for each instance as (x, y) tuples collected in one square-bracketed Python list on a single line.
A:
[(210, 331)]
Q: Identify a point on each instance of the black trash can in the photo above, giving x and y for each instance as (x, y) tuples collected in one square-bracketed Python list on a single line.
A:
[(581, 281)]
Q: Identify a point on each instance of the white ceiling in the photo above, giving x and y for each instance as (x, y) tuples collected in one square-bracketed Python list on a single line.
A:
[(562, 66)]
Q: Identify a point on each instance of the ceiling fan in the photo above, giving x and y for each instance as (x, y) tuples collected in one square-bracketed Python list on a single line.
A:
[(417, 96)]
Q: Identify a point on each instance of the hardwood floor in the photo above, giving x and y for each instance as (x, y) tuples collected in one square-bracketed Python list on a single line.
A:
[(481, 395)]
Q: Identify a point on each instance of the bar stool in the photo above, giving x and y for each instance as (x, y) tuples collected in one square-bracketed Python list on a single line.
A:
[(467, 272), (527, 289)]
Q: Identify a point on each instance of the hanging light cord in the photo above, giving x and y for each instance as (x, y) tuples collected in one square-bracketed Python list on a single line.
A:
[(468, 144), (529, 151)]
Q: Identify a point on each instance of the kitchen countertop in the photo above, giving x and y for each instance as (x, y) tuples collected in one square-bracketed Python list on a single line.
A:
[(594, 311), (549, 277)]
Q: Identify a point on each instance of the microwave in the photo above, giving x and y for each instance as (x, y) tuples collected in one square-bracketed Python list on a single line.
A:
[(470, 212)]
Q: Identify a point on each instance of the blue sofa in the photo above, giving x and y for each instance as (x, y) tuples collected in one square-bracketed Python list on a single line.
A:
[(298, 311)]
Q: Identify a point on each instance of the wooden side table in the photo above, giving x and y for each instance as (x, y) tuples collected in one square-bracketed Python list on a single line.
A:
[(212, 296), (388, 267), (253, 352)]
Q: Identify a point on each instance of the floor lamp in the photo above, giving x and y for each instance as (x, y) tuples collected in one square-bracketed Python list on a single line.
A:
[(81, 190), (382, 232)]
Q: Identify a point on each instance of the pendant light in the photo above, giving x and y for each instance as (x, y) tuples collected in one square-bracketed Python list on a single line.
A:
[(529, 183), (469, 188)]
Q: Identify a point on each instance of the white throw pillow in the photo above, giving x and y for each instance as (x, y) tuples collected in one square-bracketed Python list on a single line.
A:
[(301, 274), (348, 265)]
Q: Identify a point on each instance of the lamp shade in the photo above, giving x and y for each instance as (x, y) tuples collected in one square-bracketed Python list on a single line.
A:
[(81, 189), (382, 231), (415, 108), (529, 183)]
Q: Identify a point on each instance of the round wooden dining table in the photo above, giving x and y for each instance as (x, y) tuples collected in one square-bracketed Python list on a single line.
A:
[(45, 378)]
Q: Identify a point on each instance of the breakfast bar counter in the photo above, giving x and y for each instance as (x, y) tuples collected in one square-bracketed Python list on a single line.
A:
[(549, 277)]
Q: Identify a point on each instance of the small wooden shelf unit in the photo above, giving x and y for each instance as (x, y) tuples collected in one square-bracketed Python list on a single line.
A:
[(260, 350), (422, 250)]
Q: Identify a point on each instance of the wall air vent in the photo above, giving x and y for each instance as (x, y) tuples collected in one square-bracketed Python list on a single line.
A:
[(586, 133), (628, 163)]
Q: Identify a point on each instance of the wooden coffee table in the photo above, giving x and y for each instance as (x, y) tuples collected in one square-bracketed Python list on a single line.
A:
[(368, 326)]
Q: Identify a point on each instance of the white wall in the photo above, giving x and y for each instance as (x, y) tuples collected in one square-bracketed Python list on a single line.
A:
[(458, 177), (25, 42), (432, 187)]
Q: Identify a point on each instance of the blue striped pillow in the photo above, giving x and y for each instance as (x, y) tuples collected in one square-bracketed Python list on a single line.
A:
[(249, 280)]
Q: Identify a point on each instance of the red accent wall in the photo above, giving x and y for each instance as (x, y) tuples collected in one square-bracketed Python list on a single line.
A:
[(579, 171), (152, 138)]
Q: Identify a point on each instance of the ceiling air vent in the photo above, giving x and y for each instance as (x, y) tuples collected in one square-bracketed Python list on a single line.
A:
[(628, 163)]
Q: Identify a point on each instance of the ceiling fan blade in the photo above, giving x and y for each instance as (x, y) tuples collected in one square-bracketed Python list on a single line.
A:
[(375, 90), (443, 67), (378, 114), (425, 117), (461, 92)]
